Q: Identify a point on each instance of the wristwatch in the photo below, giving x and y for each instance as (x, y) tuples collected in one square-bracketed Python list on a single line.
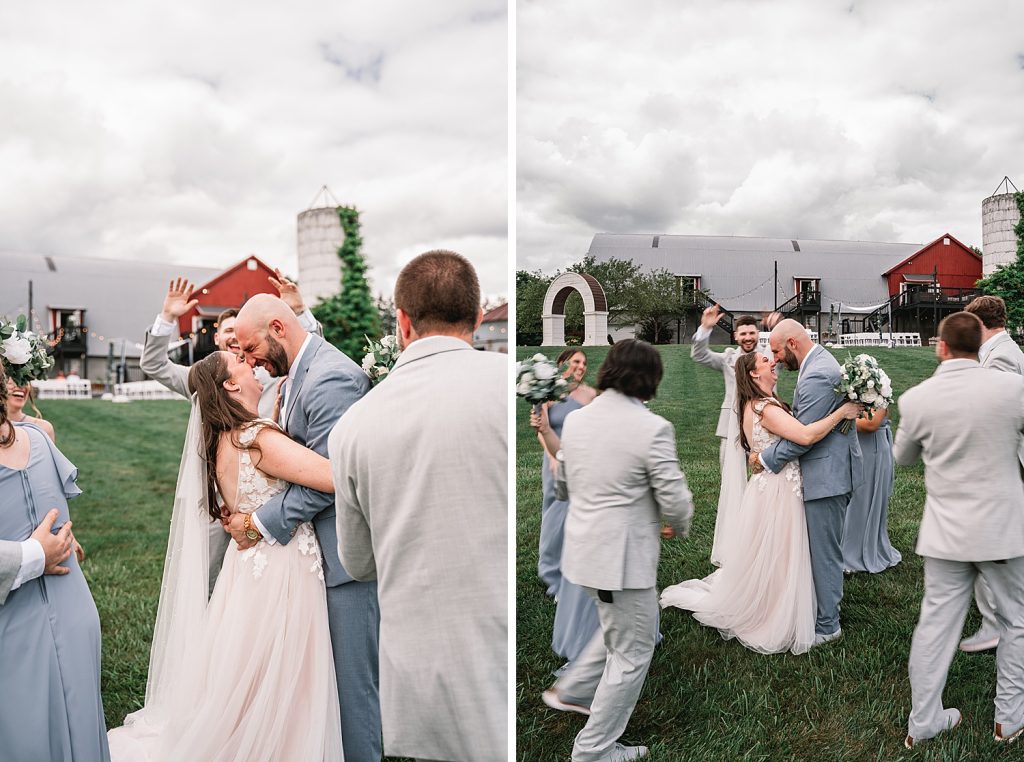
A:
[(251, 532)]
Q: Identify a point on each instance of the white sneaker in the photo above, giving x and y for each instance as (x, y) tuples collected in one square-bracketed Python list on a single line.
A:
[(1008, 733), (622, 753), (982, 640), (552, 699), (950, 719), (820, 639)]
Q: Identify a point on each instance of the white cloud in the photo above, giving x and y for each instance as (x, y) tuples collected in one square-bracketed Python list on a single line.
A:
[(846, 120), (196, 132)]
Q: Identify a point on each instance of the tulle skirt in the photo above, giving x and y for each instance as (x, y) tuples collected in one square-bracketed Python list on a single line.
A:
[(259, 685), (764, 595)]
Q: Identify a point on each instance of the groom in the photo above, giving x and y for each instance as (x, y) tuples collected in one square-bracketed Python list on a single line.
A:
[(831, 468), (321, 385)]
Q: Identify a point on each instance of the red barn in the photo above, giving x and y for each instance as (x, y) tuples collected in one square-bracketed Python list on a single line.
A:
[(945, 263), (230, 289)]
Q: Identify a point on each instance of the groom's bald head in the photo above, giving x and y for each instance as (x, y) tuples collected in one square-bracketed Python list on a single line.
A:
[(269, 334), (790, 343)]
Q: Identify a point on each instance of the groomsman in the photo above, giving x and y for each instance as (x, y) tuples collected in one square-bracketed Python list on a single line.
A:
[(732, 461), (422, 507), (620, 486), (998, 351), (964, 422)]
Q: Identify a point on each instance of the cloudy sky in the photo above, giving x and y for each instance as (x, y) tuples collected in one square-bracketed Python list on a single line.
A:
[(195, 132), (883, 121)]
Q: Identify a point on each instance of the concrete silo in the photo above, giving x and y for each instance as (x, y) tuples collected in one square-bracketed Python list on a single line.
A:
[(999, 215), (320, 235)]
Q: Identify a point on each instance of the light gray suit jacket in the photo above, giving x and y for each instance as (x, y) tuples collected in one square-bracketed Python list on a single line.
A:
[(1005, 355), (833, 466), (622, 474), (10, 564), (325, 384), (965, 423), (725, 363), (421, 477)]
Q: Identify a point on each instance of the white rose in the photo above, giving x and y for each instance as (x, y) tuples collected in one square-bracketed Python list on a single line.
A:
[(526, 378), (871, 384), (383, 371), (885, 390), (389, 341), (369, 361), (523, 389), (852, 395), (17, 350), (869, 397), (543, 371), (539, 357)]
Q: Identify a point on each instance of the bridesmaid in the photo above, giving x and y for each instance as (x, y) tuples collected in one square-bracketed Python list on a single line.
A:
[(49, 627), (552, 517), (866, 546)]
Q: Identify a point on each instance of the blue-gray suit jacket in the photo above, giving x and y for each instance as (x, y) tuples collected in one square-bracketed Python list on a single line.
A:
[(833, 465), (325, 385)]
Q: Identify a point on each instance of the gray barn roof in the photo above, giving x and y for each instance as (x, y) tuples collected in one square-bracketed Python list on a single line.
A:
[(739, 271), (120, 297)]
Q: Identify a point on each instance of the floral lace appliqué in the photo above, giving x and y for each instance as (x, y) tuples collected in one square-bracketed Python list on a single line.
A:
[(308, 546), (762, 439), (254, 489)]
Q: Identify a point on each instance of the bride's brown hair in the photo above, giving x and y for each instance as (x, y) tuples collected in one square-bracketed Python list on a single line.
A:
[(747, 390), (221, 413), (6, 439)]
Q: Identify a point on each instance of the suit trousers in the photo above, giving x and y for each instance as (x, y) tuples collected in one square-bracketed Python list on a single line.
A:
[(825, 521), (947, 595), (610, 672), (354, 617), (986, 606)]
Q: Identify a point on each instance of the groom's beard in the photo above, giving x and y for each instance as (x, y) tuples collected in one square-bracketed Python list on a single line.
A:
[(789, 359), (276, 359)]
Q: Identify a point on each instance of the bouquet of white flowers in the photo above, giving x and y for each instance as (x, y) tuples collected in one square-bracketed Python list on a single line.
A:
[(538, 380), (23, 353), (380, 357), (865, 382)]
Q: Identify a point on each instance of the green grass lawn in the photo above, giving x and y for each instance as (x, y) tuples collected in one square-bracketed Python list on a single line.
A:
[(127, 457), (709, 699)]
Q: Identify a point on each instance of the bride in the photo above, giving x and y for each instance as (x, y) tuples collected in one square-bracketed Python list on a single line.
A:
[(764, 596), (249, 676)]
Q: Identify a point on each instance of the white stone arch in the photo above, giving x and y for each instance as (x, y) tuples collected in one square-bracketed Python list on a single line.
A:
[(595, 310)]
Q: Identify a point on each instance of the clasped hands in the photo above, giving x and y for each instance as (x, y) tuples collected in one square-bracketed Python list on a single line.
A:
[(234, 525)]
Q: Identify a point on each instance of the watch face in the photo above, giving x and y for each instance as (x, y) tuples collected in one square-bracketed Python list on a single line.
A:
[(252, 534)]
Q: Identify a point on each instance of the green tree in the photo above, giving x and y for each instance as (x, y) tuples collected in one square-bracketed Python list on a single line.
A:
[(351, 315), (530, 290), (1008, 280), (658, 302), (618, 278)]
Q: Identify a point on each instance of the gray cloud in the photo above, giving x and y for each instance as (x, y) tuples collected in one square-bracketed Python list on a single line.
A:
[(195, 133), (868, 121)]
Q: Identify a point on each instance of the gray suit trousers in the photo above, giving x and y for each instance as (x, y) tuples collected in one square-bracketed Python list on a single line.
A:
[(611, 671), (947, 594), (825, 520), (354, 617)]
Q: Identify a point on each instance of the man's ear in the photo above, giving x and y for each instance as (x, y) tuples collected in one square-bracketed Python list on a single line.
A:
[(276, 327), (404, 323)]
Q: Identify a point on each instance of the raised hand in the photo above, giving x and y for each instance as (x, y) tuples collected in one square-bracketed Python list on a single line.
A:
[(710, 316), (56, 547), (771, 320), (288, 291), (178, 300)]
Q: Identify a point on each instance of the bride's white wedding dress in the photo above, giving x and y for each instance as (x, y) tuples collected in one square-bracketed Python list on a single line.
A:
[(256, 681), (764, 595)]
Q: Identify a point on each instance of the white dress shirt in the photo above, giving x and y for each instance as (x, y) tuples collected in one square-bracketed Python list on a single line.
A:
[(33, 562)]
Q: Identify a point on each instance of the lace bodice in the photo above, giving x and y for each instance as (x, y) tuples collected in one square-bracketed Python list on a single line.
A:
[(254, 487), (761, 440)]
